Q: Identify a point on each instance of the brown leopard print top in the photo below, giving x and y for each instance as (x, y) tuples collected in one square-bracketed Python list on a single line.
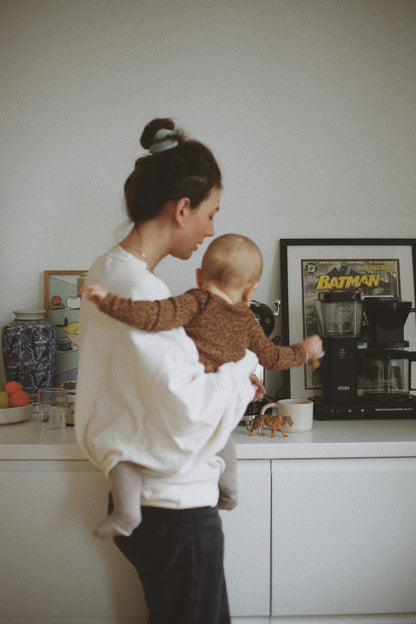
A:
[(221, 331)]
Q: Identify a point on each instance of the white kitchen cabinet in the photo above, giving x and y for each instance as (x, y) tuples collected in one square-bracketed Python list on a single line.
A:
[(332, 510), (344, 538), (54, 570), (247, 541)]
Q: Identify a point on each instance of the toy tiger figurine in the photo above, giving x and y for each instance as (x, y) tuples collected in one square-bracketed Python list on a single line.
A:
[(274, 422)]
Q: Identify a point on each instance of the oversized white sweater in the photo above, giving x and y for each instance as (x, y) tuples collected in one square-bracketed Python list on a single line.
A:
[(145, 398)]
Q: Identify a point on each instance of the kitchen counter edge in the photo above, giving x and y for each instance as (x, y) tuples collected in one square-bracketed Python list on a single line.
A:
[(27, 441)]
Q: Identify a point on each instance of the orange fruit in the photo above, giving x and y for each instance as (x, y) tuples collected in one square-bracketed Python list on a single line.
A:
[(12, 386), (19, 398)]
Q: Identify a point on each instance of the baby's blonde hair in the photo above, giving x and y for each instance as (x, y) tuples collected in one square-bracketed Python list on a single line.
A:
[(232, 260)]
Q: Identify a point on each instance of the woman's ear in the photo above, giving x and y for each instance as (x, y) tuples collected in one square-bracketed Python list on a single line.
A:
[(182, 210)]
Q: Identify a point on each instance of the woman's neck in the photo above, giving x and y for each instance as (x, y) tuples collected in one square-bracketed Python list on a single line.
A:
[(146, 243)]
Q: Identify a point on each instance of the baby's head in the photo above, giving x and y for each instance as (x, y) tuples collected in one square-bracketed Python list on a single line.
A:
[(234, 264)]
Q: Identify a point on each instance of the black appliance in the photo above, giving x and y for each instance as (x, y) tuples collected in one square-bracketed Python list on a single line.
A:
[(266, 319), (366, 370)]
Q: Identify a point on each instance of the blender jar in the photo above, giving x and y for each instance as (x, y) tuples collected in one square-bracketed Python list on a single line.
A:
[(339, 314)]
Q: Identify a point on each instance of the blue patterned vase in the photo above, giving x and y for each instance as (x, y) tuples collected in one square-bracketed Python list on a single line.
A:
[(29, 349)]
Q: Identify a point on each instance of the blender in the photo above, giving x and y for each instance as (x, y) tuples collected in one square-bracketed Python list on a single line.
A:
[(339, 321)]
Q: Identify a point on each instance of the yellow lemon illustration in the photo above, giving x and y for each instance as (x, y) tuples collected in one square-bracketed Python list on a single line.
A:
[(72, 331)]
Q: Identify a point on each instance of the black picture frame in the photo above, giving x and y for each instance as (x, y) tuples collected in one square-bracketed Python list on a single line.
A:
[(294, 251)]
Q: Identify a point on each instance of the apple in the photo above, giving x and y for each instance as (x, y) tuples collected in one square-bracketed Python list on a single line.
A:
[(4, 399)]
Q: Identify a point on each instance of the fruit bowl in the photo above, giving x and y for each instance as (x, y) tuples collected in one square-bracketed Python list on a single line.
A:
[(10, 415)]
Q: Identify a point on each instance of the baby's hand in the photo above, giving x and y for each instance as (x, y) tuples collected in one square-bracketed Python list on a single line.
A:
[(259, 388), (313, 346), (95, 293)]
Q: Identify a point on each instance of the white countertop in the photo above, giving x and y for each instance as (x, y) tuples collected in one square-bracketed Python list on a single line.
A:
[(328, 439), (30, 441), (333, 439)]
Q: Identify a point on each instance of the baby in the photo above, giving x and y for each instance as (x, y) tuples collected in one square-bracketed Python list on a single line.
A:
[(217, 316)]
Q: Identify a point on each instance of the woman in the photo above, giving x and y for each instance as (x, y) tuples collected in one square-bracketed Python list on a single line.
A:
[(144, 398)]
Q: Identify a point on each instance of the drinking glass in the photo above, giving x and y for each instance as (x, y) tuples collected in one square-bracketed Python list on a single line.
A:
[(53, 404)]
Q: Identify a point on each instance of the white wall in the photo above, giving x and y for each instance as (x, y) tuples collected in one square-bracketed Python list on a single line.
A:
[(309, 106)]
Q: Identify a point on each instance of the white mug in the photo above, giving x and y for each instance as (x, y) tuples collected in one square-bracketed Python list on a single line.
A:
[(300, 411)]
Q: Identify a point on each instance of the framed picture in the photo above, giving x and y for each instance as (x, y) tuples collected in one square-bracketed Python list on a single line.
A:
[(380, 266), (62, 305)]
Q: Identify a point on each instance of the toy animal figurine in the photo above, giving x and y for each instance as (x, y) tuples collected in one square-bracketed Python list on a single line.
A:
[(274, 422)]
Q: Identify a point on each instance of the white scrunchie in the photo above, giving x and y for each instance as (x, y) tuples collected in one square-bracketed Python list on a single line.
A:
[(164, 139)]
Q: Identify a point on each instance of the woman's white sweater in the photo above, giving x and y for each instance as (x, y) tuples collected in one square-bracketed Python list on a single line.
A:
[(145, 398)]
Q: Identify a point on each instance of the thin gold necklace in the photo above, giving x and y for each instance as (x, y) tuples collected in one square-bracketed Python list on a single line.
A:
[(136, 251)]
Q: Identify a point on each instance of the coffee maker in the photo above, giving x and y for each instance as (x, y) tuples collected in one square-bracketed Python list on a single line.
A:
[(366, 369), (384, 365)]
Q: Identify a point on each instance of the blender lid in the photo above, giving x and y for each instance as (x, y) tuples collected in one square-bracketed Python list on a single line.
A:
[(337, 296)]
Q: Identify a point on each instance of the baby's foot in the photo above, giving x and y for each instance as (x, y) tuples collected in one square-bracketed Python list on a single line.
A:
[(227, 502), (113, 526)]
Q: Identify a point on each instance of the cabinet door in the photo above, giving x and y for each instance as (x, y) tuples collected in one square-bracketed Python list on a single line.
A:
[(344, 537), (53, 569), (247, 541)]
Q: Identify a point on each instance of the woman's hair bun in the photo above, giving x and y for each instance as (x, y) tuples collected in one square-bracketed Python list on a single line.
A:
[(148, 135), (174, 167)]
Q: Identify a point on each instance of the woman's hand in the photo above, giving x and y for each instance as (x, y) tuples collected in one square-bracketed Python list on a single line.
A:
[(95, 293), (260, 389)]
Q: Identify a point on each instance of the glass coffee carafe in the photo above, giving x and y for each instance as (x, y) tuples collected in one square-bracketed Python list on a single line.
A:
[(385, 367), (385, 374)]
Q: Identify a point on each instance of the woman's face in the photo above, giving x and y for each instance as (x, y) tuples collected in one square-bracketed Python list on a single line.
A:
[(198, 224)]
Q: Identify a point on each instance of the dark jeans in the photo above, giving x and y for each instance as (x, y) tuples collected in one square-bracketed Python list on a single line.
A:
[(178, 555)]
